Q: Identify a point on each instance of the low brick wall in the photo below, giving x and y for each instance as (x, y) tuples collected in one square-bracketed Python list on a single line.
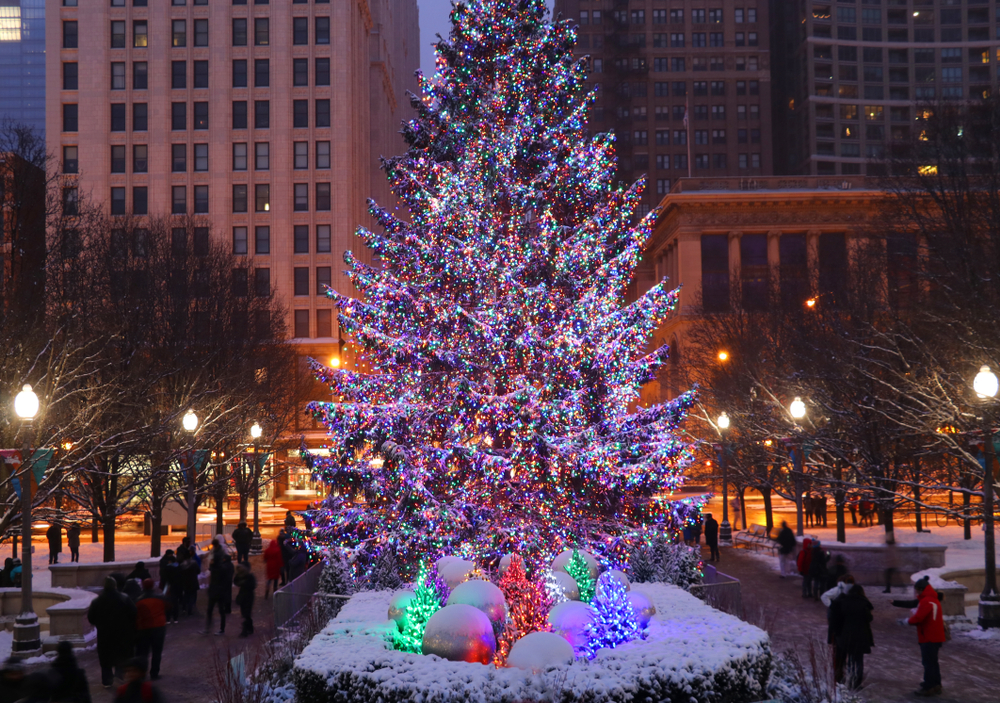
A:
[(65, 609), (76, 575), (868, 562)]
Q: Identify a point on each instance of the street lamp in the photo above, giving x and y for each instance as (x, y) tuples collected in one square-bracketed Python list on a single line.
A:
[(986, 386), (725, 529), (256, 545), (797, 409), (27, 631), (190, 424)]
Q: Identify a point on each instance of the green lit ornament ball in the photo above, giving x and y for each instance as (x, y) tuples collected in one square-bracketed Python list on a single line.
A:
[(397, 607)]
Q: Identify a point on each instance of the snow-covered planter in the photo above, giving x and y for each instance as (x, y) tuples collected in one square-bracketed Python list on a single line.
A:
[(691, 653)]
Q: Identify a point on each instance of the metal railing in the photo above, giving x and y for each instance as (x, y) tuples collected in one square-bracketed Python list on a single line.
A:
[(720, 591), (290, 599)]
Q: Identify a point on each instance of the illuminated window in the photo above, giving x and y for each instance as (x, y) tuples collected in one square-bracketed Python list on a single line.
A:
[(10, 24)]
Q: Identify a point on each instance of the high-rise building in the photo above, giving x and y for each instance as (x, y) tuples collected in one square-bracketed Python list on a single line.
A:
[(22, 62), (267, 118), (684, 84), (851, 77)]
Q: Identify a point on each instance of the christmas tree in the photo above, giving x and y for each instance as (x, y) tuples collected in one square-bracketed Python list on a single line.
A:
[(528, 604), (425, 602), (495, 406), (335, 579), (614, 620), (580, 571)]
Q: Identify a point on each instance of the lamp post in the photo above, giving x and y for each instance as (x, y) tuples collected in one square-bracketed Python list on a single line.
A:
[(725, 529), (190, 424), (256, 545), (27, 631), (797, 409), (986, 386)]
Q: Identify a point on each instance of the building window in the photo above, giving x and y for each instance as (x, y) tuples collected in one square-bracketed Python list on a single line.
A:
[(178, 158), (140, 158), (300, 72), (117, 75), (323, 113), (261, 114), (322, 72), (262, 156), (663, 162), (117, 201), (300, 113), (262, 240), (201, 157), (117, 117), (201, 74), (322, 239), (140, 75), (71, 159), (323, 155), (300, 31), (324, 323), (262, 282), (300, 278), (179, 200), (754, 272), (178, 117), (118, 158), (261, 31), (301, 239), (261, 73), (71, 35), (178, 75), (715, 272), (240, 240), (322, 196), (71, 76), (239, 32), (140, 117), (239, 197), (301, 203), (322, 30), (201, 115), (701, 160), (262, 197), (715, 39), (239, 114), (300, 155), (178, 33), (239, 73), (240, 156), (718, 161), (140, 201), (301, 324), (201, 32), (240, 284), (677, 40), (71, 201)]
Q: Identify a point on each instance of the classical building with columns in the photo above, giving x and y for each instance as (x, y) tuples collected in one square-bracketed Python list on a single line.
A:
[(749, 242)]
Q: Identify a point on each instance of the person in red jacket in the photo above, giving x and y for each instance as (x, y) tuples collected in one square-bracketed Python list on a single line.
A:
[(151, 625), (273, 562), (929, 619), (803, 562)]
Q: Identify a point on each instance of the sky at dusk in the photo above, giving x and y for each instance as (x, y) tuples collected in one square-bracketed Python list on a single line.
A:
[(434, 21)]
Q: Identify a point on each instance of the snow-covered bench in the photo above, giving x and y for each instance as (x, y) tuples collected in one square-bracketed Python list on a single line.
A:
[(756, 537)]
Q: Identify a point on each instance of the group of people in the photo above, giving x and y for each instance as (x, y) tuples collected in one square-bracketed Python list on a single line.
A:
[(54, 537), (863, 508), (814, 509), (62, 682)]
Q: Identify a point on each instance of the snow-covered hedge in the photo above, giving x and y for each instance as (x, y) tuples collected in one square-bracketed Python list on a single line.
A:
[(692, 653)]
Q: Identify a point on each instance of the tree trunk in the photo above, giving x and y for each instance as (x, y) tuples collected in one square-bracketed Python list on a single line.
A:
[(95, 526), (156, 519), (839, 498), (109, 510), (966, 522), (768, 512), (917, 515), (742, 493), (890, 531), (220, 500)]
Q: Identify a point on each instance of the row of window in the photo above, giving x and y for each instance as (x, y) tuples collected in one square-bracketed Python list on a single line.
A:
[(179, 199), (974, 15), (920, 34), (324, 323), (664, 64), (664, 137), (921, 74), (179, 34), (977, 55), (300, 240), (675, 40), (698, 16), (877, 92), (300, 276), (262, 197), (664, 162), (181, 3)]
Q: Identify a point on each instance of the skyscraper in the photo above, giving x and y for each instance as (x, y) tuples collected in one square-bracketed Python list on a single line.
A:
[(22, 62), (851, 77), (684, 84)]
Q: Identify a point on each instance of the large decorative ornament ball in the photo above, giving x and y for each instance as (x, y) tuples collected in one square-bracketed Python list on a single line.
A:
[(397, 607), (643, 608), (570, 620), (456, 571), (443, 561), (540, 650), (460, 633), (560, 562), (483, 596), (621, 578), (568, 585), (504, 563)]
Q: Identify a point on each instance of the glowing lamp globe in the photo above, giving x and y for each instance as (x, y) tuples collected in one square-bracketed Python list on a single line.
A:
[(797, 409), (723, 422), (256, 431), (26, 403), (190, 421), (985, 383)]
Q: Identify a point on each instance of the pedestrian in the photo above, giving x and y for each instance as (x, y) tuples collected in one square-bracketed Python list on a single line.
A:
[(802, 563), (287, 552), (140, 573), (137, 688), (11, 681), (688, 533), (928, 616), (851, 622), (220, 590), (151, 626), (819, 504), (299, 562), (242, 538), (113, 615), (852, 504), (69, 680), (73, 540), (712, 537), (247, 584), (189, 571), (289, 519), (273, 564), (842, 586), (838, 571), (786, 549), (15, 573), (697, 530), (817, 569), (807, 509), (5, 580), (170, 585), (54, 536)]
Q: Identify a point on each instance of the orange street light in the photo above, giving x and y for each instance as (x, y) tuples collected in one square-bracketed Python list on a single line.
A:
[(723, 355), (811, 303)]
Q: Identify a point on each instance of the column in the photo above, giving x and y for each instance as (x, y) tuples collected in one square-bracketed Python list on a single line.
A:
[(735, 259), (774, 262), (812, 258)]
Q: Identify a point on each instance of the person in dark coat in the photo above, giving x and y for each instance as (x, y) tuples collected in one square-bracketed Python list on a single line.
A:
[(113, 615), (69, 680), (817, 569), (289, 519), (73, 540), (242, 538), (170, 584), (247, 584), (12, 681), (807, 509), (287, 552), (220, 590), (5, 580), (188, 579), (851, 623), (140, 572), (137, 688), (787, 545), (712, 536), (54, 536), (819, 504)]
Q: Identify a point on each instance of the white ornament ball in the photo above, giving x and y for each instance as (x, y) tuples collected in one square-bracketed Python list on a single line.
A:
[(504, 564), (568, 585), (570, 620), (643, 608), (460, 633), (560, 562), (539, 651), (456, 571), (397, 607), (443, 561), (622, 578), (483, 596)]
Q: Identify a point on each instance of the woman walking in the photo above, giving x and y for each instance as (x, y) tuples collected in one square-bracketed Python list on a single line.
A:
[(851, 621)]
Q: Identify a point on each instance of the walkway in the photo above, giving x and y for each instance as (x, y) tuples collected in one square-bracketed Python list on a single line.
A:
[(970, 669)]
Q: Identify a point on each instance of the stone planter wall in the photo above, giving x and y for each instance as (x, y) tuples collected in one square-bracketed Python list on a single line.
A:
[(868, 562)]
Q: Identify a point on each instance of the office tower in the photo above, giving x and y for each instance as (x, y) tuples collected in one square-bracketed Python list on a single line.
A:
[(22, 62), (851, 77), (656, 62)]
